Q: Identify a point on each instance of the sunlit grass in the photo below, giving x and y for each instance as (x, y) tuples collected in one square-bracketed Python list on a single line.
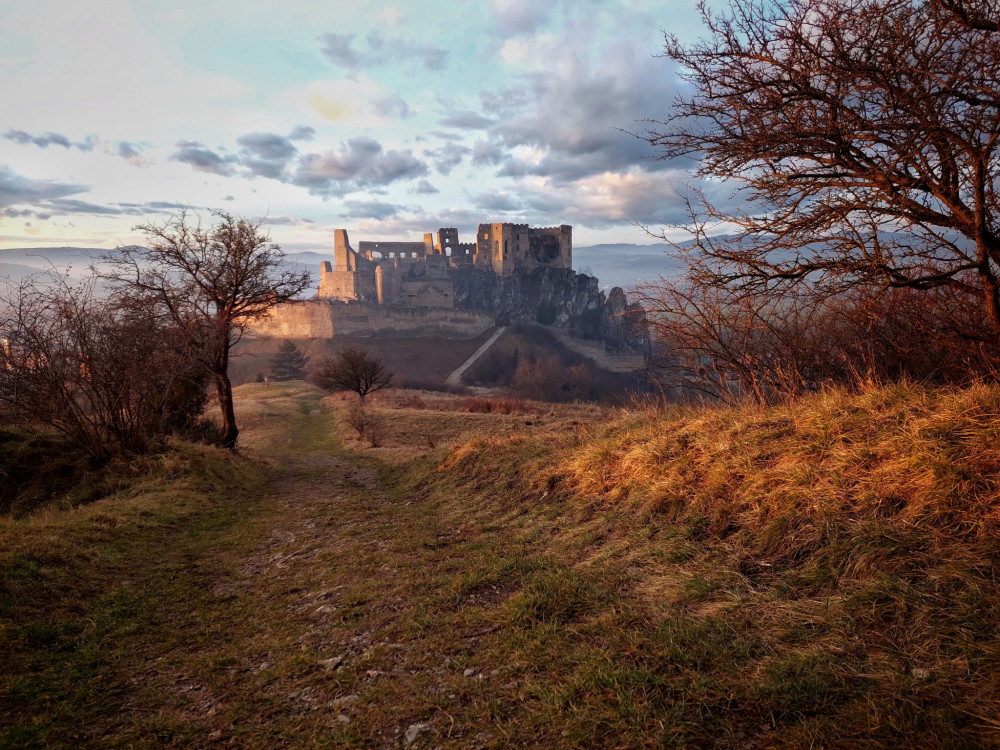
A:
[(816, 574)]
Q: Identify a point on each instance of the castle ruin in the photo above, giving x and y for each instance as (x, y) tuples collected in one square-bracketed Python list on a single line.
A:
[(418, 274), (511, 273)]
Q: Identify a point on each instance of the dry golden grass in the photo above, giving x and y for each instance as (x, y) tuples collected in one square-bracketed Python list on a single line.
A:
[(821, 574), (418, 422), (853, 538)]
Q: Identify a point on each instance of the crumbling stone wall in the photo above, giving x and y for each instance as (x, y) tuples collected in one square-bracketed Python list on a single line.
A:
[(351, 277), (403, 251)]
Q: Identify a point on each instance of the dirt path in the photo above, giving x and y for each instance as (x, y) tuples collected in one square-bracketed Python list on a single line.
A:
[(338, 642), (455, 378)]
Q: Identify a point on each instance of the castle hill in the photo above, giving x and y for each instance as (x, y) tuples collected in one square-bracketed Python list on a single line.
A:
[(511, 273), (500, 374)]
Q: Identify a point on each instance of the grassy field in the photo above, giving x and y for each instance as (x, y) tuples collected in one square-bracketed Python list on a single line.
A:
[(817, 575)]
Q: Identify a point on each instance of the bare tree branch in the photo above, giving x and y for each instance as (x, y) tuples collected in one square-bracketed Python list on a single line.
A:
[(863, 134)]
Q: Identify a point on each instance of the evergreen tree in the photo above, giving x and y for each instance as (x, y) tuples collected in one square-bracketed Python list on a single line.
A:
[(289, 363)]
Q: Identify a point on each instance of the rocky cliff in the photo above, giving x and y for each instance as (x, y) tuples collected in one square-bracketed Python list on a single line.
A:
[(559, 297)]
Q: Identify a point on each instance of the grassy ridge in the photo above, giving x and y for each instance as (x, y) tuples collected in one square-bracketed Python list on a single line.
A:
[(87, 594), (820, 573)]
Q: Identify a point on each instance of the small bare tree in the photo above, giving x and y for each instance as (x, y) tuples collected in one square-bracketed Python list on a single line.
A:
[(211, 283), (352, 370)]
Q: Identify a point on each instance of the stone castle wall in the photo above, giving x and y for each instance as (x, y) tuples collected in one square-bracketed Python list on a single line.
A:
[(328, 318)]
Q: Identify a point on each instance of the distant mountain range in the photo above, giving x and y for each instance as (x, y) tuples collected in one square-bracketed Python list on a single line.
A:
[(614, 265)]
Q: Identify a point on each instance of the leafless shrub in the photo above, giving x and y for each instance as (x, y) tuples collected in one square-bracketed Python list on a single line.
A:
[(548, 379), (376, 428), (490, 405), (778, 343), (106, 372), (357, 418)]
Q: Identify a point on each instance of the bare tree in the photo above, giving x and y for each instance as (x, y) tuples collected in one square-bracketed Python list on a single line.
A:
[(863, 135), (352, 370), (211, 282)]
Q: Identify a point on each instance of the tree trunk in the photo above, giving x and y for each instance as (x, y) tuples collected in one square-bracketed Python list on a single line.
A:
[(229, 429), (223, 386)]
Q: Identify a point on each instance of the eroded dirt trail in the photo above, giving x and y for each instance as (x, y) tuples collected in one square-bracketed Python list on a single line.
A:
[(357, 628)]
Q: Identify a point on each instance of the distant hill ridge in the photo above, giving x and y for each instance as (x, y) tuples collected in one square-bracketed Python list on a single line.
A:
[(614, 264)]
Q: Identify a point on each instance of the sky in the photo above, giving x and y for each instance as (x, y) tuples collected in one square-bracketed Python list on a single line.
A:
[(386, 119)]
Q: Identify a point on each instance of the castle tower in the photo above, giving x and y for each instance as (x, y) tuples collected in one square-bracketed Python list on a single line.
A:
[(343, 254)]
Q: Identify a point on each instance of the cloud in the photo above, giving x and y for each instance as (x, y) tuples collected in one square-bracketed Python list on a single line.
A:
[(358, 209), (488, 154), (42, 199), (397, 48), (61, 206), (360, 163), (157, 206), (16, 189), (512, 17), (466, 120), (266, 154), (425, 188), (126, 150), (566, 118), (268, 146), (49, 139), (203, 159), (339, 50), (42, 141), (497, 200), (393, 107), (130, 153), (302, 133), (285, 221), (608, 199), (449, 156)]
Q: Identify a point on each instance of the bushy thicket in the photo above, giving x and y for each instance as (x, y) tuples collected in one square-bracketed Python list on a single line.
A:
[(530, 362), (773, 343), (104, 371)]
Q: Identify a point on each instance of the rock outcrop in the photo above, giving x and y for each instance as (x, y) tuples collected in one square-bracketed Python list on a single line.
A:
[(557, 297)]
